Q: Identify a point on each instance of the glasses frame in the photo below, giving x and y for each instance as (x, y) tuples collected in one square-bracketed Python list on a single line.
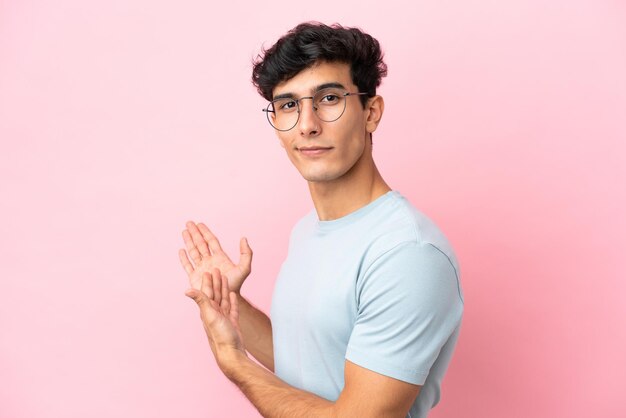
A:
[(267, 110)]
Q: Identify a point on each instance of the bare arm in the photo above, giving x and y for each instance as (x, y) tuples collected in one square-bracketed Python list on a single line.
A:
[(204, 253), (256, 328), (365, 393)]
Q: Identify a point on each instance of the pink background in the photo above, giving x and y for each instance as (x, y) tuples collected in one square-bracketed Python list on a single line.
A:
[(120, 120)]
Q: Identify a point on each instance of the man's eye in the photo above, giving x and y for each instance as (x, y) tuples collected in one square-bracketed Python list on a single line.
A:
[(329, 98), (288, 105)]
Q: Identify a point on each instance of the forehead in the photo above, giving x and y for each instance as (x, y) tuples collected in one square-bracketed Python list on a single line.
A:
[(306, 81)]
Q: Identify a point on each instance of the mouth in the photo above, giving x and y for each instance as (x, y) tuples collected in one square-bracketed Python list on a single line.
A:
[(314, 151)]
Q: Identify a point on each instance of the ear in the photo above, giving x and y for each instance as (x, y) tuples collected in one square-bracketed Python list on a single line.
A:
[(375, 107)]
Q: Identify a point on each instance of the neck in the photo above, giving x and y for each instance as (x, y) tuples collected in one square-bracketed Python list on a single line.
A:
[(361, 185)]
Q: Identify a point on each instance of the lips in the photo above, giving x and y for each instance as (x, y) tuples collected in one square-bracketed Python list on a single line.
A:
[(312, 151), (313, 148)]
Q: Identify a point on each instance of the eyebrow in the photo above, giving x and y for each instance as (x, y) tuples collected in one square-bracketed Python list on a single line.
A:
[(313, 90)]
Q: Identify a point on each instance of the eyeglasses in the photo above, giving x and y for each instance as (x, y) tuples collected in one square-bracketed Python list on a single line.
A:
[(329, 104)]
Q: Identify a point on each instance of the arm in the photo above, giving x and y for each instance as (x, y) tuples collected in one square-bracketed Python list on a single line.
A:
[(204, 253), (256, 328), (365, 394)]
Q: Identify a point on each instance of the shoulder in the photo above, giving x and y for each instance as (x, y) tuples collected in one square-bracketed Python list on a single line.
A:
[(402, 231), (410, 273)]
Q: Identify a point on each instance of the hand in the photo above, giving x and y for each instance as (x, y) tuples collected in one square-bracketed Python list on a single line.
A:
[(206, 253), (219, 311)]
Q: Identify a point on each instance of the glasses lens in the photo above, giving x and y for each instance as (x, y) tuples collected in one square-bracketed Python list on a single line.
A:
[(283, 114), (330, 104)]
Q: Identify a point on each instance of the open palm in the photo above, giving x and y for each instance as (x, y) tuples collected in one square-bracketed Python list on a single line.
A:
[(204, 250), (219, 311)]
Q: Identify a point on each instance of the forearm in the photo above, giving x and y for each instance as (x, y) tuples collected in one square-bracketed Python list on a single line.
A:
[(270, 395), (256, 328)]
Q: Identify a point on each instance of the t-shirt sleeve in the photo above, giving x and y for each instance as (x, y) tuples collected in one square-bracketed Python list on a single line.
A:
[(409, 304)]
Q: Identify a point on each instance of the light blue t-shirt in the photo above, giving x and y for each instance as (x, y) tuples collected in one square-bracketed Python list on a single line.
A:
[(378, 287)]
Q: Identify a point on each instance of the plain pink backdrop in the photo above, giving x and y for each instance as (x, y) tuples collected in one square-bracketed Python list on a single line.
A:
[(120, 120)]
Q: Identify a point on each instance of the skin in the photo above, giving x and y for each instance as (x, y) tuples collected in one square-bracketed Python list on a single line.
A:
[(344, 178), (341, 179)]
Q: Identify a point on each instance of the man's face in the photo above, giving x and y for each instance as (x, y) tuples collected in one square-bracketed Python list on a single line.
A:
[(324, 151)]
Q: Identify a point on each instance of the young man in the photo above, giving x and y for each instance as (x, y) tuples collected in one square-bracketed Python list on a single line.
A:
[(367, 306)]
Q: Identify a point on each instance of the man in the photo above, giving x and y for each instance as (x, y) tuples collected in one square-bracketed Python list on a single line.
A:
[(367, 306)]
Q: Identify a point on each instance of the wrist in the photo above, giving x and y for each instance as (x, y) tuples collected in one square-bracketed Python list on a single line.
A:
[(230, 359), (240, 298)]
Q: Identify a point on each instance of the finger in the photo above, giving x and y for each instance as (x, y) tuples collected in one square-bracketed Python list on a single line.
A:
[(214, 243), (191, 248), (184, 260), (198, 240), (207, 285), (234, 309), (217, 286), (225, 305), (245, 258)]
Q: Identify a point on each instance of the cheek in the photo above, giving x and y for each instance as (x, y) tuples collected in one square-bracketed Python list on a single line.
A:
[(358, 147), (351, 152), (355, 138)]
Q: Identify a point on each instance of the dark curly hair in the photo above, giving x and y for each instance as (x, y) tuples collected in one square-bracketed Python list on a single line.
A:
[(312, 42)]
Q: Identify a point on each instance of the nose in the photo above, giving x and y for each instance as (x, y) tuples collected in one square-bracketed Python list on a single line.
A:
[(309, 123)]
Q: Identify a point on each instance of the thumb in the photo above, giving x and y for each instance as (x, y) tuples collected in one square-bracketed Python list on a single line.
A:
[(245, 258), (197, 296), (208, 313)]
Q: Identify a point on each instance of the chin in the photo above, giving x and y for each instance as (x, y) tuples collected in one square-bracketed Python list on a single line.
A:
[(320, 176)]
